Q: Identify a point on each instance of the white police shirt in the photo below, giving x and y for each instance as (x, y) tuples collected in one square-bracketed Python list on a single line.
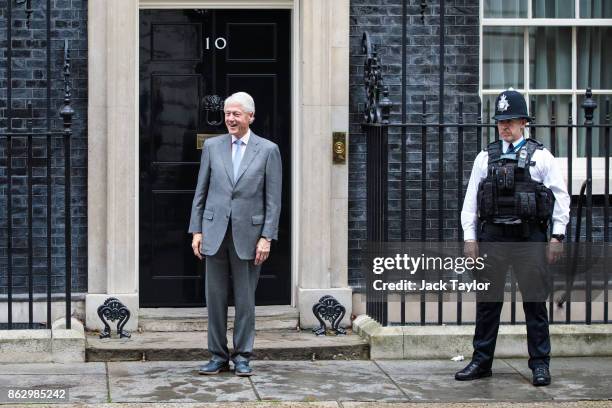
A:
[(544, 171)]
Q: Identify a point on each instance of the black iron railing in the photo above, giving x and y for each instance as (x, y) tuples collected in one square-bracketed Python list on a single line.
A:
[(378, 130), (22, 146)]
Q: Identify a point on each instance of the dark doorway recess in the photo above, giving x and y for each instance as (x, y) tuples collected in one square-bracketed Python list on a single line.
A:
[(186, 58)]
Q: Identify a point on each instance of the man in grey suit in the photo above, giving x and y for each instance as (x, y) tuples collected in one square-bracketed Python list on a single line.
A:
[(234, 217)]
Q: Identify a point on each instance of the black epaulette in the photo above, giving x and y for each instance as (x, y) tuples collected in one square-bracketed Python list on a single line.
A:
[(494, 150), (533, 145), (494, 147)]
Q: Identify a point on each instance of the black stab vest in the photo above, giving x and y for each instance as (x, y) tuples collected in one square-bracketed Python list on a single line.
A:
[(508, 195)]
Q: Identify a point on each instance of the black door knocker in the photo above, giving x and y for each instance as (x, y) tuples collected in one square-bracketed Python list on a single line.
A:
[(213, 106)]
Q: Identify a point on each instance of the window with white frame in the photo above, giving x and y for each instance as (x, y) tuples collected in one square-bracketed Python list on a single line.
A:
[(551, 50)]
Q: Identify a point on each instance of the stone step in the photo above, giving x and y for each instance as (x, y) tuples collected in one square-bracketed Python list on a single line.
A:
[(192, 346), (166, 319)]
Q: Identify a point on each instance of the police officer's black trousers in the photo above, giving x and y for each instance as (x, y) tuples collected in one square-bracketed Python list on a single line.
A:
[(504, 247)]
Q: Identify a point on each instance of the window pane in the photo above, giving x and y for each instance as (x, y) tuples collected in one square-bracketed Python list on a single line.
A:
[(553, 8), (541, 107), (550, 57), (594, 57), (595, 8), (598, 134), (503, 57), (505, 8)]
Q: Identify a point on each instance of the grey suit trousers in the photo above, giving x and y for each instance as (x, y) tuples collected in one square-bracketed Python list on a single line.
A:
[(244, 275)]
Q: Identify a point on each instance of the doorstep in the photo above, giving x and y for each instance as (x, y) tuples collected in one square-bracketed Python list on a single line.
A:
[(172, 319), (269, 345)]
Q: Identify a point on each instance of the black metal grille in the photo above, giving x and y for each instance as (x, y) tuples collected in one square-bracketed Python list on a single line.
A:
[(378, 129), (39, 159), (377, 201)]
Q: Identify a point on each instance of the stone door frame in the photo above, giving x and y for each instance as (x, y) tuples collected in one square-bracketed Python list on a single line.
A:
[(320, 66)]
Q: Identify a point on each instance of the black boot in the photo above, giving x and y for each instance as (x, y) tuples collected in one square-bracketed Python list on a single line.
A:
[(541, 376)]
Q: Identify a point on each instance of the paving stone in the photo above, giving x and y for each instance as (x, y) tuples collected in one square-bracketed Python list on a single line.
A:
[(258, 404), (323, 380), (53, 368), (347, 384), (538, 404), (334, 404), (574, 378), (434, 381), (82, 388), (174, 382)]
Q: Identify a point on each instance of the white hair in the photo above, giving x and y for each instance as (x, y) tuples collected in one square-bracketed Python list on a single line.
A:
[(243, 99)]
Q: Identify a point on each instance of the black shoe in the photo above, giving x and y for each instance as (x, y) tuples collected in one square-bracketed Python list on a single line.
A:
[(541, 376), (242, 369), (214, 367), (472, 371)]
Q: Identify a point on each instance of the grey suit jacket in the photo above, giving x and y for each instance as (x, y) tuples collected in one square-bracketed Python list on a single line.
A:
[(253, 202)]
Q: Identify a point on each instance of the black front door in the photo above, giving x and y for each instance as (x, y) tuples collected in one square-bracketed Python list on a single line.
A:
[(187, 57)]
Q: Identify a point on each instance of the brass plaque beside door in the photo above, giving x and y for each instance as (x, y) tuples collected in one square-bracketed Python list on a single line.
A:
[(339, 147), (201, 137)]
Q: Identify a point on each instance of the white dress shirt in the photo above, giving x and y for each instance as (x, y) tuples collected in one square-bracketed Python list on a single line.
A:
[(544, 171), (245, 141)]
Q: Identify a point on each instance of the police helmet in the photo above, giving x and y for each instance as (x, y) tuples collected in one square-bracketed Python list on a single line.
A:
[(510, 104)]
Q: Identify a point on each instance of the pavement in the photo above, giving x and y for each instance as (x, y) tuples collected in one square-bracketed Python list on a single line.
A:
[(320, 383)]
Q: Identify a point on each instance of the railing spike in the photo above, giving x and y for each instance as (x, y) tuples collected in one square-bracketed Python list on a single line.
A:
[(378, 104)]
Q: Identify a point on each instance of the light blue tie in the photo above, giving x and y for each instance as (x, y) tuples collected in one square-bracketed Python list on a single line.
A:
[(237, 157)]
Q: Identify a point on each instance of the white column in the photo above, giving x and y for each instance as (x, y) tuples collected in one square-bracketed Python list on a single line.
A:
[(340, 123), (113, 158), (96, 148), (323, 210), (122, 167)]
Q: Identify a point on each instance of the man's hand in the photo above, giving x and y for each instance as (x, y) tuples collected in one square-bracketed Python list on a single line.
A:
[(262, 252), (470, 249), (554, 250), (195, 244)]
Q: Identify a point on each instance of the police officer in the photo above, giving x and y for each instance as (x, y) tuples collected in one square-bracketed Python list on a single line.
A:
[(514, 189)]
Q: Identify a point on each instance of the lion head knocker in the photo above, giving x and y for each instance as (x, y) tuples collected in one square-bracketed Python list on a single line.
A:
[(213, 106)]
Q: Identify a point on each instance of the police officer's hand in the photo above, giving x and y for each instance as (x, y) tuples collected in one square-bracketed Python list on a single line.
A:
[(554, 250), (196, 242), (470, 249)]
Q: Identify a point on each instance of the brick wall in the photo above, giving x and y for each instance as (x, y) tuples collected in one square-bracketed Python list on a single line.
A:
[(383, 20), (29, 83)]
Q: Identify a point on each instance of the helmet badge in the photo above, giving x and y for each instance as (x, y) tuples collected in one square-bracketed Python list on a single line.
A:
[(503, 104)]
